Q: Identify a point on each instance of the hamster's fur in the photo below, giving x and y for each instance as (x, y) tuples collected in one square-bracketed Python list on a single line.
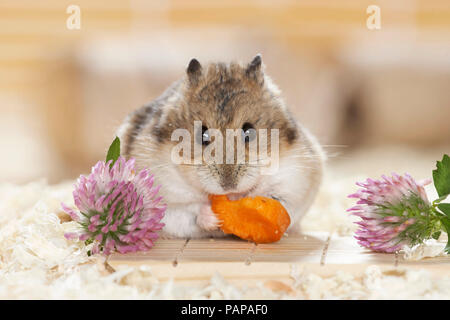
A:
[(222, 96)]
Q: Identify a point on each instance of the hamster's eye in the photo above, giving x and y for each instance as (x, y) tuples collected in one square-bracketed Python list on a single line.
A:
[(206, 139), (203, 137), (249, 132)]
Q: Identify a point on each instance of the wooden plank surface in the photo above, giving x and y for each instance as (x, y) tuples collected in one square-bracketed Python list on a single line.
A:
[(197, 260)]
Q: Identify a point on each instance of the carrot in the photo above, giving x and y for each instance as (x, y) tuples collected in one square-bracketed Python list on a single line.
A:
[(258, 219)]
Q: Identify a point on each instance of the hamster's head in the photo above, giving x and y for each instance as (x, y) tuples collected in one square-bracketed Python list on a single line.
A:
[(230, 116)]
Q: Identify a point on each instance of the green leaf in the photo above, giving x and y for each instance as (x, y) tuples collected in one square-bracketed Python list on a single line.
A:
[(436, 235), (446, 224), (114, 151), (441, 176), (439, 200), (445, 208)]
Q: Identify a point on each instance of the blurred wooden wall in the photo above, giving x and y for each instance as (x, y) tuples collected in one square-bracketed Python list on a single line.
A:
[(30, 30)]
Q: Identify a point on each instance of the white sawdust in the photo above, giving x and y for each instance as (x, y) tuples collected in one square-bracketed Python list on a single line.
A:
[(429, 249), (37, 262), (373, 284)]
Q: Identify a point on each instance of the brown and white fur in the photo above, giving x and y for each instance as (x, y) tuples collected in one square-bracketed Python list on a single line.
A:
[(222, 96)]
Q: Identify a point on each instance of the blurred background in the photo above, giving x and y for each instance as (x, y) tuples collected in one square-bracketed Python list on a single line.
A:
[(376, 99)]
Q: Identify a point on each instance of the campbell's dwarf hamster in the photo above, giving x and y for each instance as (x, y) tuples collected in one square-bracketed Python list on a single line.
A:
[(222, 96)]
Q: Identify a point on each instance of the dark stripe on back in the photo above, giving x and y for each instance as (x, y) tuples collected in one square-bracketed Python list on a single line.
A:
[(137, 121), (140, 118)]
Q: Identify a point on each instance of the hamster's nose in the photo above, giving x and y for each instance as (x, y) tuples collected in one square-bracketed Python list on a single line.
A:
[(228, 177)]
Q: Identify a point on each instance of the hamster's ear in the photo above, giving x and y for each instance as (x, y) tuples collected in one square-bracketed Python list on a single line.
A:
[(254, 69), (194, 71)]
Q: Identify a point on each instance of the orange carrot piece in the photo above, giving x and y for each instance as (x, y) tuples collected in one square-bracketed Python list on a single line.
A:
[(258, 219)]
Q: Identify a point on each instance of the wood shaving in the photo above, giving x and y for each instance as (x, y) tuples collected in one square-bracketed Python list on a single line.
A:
[(429, 249)]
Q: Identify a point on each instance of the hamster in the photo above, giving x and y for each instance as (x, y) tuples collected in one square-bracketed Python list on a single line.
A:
[(222, 96)]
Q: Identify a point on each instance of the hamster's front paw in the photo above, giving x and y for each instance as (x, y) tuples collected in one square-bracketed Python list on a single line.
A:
[(207, 219)]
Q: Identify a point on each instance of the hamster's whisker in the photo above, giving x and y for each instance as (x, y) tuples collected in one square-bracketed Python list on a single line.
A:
[(334, 146)]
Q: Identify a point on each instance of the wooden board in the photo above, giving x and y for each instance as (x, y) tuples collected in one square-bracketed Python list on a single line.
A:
[(245, 262)]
